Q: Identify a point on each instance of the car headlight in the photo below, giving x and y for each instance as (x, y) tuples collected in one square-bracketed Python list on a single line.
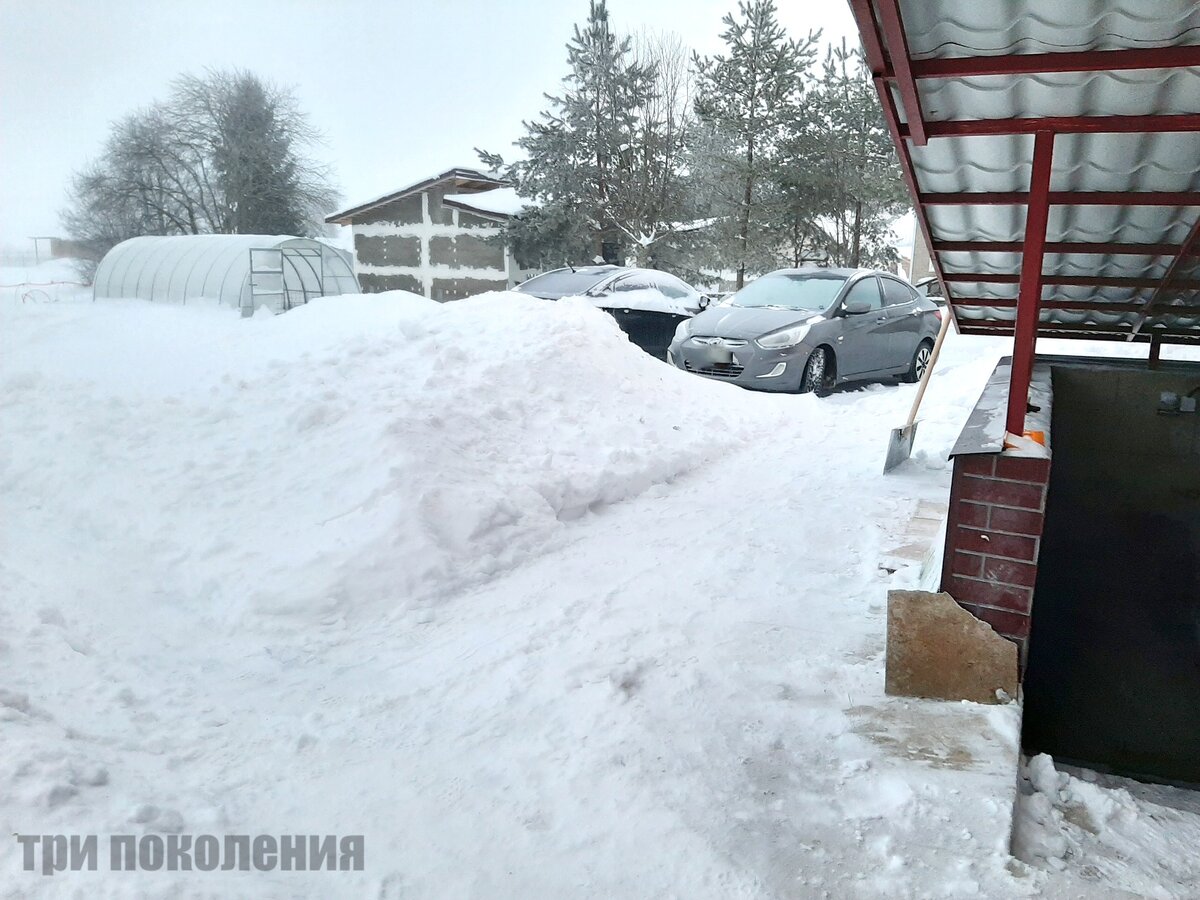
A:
[(683, 329), (787, 337)]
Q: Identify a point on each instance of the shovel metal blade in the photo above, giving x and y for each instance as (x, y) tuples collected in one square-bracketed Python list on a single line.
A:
[(900, 446)]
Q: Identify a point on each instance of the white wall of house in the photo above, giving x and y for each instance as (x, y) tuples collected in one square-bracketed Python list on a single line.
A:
[(428, 275)]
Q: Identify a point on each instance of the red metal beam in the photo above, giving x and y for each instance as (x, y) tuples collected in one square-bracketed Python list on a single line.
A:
[(872, 44), (1061, 125), (873, 48), (1067, 280), (1065, 198), (1169, 280), (1098, 332), (1075, 305), (898, 55), (1065, 247), (1077, 61), (1030, 294)]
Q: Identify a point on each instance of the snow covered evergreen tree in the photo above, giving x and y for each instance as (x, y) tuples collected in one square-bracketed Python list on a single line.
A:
[(838, 168), (747, 97), (606, 160)]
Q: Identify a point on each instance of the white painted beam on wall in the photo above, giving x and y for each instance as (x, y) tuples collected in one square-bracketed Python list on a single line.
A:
[(425, 231)]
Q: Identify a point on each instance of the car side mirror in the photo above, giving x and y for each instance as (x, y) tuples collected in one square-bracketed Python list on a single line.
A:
[(704, 301), (856, 307)]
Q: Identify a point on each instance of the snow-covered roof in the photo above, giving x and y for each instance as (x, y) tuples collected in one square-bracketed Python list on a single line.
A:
[(501, 201), (463, 176)]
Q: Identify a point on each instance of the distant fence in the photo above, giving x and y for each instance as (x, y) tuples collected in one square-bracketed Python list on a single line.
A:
[(41, 291)]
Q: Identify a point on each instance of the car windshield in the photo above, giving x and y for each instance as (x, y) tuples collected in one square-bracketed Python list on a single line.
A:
[(814, 291), (565, 283)]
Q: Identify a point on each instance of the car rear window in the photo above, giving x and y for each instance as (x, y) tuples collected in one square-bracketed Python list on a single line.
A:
[(895, 292), (815, 291), (672, 286), (563, 284)]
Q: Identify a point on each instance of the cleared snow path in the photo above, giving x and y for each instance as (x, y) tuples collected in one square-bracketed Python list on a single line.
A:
[(554, 622)]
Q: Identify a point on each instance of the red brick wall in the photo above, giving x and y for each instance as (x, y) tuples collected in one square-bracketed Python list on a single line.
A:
[(993, 536)]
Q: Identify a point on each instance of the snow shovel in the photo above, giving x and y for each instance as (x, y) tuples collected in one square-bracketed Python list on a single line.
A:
[(901, 442)]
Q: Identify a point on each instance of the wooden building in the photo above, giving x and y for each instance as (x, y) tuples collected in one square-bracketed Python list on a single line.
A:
[(437, 237)]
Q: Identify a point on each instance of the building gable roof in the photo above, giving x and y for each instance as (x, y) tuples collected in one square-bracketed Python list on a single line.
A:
[(464, 180)]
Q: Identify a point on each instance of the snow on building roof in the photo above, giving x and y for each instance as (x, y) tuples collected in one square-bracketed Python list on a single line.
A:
[(464, 177), (501, 201)]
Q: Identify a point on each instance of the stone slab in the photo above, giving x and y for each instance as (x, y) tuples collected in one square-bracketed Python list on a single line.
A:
[(938, 650)]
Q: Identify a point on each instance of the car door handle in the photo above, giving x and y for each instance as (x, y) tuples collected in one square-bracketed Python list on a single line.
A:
[(881, 320)]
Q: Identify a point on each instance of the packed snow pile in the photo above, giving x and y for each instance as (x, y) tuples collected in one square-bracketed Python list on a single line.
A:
[(534, 613), (389, 446), (1143, 838)]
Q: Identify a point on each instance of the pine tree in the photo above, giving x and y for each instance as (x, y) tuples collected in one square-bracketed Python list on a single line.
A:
[(745, 99), (843, 167), (605, 161)]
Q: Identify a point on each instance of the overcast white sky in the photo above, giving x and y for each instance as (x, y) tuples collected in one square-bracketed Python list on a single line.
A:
[(400, 88)]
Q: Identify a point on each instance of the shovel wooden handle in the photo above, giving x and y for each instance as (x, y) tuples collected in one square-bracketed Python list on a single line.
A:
[(933, 357)]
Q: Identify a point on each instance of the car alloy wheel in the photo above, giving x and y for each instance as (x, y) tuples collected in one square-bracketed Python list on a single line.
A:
[(921, 363)]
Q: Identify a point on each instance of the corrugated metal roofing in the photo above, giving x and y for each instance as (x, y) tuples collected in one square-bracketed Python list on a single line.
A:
[(1087, 70), (956, 28)]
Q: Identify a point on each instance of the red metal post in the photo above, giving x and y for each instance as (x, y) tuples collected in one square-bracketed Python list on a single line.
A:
[(1030, 293), (897, 43)]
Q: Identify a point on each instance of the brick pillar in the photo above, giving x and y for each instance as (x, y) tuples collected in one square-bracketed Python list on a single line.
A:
[(993, 537)]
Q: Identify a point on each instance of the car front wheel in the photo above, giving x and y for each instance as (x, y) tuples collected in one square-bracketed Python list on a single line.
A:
[(818, 373)]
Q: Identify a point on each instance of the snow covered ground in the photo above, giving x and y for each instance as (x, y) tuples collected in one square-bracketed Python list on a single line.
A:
[(535, 613)]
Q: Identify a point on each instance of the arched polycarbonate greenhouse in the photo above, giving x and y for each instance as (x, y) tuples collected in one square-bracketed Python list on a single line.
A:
[(242, 270)]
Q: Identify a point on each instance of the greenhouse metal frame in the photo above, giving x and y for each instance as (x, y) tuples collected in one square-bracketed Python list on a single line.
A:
[(221, 267)]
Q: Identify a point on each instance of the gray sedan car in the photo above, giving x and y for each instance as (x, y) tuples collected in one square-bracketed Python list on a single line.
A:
[(811, 329)]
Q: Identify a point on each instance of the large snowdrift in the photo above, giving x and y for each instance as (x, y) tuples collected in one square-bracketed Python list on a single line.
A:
[(384, 447), (537, 614)]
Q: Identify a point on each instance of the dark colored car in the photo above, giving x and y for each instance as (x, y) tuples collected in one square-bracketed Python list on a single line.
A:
[(932, 288), (647, 304), (811, 329)]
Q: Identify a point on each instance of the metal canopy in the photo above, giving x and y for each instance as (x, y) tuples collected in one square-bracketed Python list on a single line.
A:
[(1053, 154)]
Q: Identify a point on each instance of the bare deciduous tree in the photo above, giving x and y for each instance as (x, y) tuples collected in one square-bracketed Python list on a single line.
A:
[(225, 153)]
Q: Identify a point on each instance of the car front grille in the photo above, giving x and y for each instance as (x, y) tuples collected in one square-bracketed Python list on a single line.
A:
[(716, 370)]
